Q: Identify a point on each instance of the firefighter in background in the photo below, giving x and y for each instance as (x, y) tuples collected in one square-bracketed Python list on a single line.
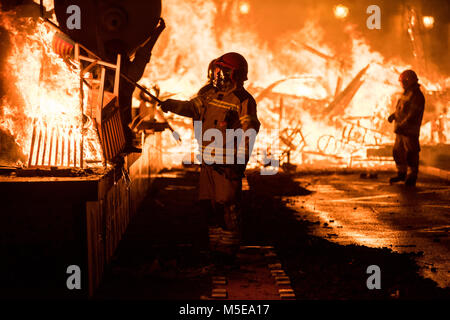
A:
[(408, 119), (222, 104)]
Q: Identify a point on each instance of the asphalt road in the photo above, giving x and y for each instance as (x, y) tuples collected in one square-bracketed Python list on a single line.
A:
[(372, 213), (325, 229)]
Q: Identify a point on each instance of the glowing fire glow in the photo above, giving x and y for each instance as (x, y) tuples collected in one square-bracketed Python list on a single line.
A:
[(340, 11), (244, 7), (297, 87), (293, 85), (428, 22), (42, 109)]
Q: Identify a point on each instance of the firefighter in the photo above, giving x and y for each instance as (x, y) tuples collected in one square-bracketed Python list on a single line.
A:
[(222, 104), (408, 119)]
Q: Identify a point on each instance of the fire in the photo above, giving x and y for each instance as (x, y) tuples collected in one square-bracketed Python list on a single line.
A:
[(314, 103), (42, 108), (428, 22), (293, 85), (244, 8), (340, 11)]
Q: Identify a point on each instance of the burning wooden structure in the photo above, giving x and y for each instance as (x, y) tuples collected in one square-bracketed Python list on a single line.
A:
[(80, 190), (71, 201), (60, 145)]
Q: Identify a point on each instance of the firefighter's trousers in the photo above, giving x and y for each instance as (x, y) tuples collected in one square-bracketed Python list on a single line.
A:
[(406, 155), (222, 186)]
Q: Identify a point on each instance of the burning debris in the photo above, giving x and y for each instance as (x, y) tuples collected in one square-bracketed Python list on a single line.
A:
[(41, 108), (314, 101), (338, 100), (62, 105), (303, 108)]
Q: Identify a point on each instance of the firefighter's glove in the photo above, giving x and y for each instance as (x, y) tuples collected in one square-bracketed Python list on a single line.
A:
[(391, 118)]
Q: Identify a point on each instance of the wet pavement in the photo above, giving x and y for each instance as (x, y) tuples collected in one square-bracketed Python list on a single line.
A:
[(323, 231), (370, 212)]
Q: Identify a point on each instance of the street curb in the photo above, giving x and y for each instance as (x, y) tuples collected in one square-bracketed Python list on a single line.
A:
[(435, 172)]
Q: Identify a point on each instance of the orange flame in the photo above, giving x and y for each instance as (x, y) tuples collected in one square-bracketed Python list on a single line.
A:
[(307, 70), (44, 98)]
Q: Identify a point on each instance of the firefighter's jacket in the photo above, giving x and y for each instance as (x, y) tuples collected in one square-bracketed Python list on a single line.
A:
[(409, 112), (221, 110)]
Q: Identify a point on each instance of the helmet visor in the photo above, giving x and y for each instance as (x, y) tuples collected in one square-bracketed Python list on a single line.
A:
[(222, 77)]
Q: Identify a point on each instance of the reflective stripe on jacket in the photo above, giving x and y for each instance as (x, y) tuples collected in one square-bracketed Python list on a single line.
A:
[(234, 109)]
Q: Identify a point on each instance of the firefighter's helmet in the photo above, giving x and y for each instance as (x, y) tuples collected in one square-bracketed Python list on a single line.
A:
[(237, 63), (408, 78)]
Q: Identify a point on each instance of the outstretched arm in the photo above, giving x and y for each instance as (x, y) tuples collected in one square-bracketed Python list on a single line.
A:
[(191, 108)]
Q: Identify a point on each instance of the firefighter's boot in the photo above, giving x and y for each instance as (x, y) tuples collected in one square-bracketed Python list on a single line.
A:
[(411, 180), (401, 176)]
